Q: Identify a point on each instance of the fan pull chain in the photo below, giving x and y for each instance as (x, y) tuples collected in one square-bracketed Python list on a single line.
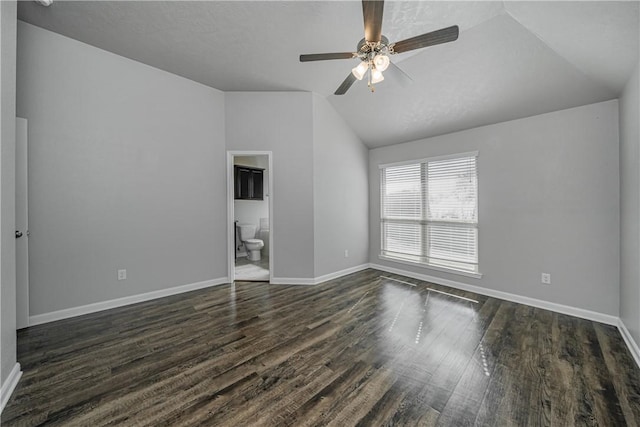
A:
[(371, 86)]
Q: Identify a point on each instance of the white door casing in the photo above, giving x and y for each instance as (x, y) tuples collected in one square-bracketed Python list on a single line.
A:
[(231, 243)]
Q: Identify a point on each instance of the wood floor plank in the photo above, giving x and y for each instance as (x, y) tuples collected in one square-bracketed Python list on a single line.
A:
[(624, 378), (366, 349), (496, 406), (540, 412), (463, 405)]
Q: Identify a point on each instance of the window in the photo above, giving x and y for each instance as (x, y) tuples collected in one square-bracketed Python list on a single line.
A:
[(429, 212)]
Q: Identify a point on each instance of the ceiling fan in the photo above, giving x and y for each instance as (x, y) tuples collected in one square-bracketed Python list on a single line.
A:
[(374, 49)]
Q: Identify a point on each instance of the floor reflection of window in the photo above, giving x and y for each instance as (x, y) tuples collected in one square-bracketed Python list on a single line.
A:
[(425, 323)]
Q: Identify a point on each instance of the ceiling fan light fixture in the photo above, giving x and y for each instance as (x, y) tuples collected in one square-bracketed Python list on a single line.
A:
[(376, 76), (381, 62), (359, 71)]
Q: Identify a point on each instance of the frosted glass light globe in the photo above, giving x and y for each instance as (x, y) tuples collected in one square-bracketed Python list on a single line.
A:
[(381, 62), (360, 70)]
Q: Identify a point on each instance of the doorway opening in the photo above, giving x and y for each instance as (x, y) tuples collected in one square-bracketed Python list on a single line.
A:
[(250, 215)]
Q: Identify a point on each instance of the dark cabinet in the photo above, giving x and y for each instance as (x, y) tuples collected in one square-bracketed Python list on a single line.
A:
[(248, 183)]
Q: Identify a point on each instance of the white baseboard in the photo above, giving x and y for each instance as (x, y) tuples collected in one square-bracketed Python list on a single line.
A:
[(9, 385), (631, 343), (292, 281), (558, 308), (319, 279), (341, 273), (119, 302)]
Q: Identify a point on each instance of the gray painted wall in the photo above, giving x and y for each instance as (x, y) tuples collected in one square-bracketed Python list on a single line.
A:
[(548, 200), (7, 191), (281, 122), (630, 207), (126, 171), (340, 189)]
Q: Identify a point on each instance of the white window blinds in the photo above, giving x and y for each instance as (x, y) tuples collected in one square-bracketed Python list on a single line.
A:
[(429, 212)]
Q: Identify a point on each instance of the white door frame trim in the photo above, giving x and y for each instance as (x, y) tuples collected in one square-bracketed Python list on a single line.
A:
[(231, 243)]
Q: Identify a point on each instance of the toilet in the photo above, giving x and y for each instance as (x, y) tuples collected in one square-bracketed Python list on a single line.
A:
[(247, 234), (263, 234)]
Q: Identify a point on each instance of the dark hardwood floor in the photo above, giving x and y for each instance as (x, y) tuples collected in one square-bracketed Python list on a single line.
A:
[(362, 350)]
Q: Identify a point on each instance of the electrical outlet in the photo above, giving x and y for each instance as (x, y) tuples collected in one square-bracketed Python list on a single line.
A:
[(546, 278), (346, 253), (122, 274)]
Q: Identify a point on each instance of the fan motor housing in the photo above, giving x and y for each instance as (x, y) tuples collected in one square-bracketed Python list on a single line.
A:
[(365, 47)]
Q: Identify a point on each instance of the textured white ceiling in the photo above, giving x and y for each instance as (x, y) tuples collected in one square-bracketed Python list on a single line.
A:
[(599, 38), (512, 60)]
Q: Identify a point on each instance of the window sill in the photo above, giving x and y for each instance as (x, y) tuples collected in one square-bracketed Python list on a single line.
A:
[(432, 267)]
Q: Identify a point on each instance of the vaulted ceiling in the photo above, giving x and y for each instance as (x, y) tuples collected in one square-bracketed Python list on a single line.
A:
[(513, 59)]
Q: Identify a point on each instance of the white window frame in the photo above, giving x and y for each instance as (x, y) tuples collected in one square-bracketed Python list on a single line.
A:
[(423, 261)]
